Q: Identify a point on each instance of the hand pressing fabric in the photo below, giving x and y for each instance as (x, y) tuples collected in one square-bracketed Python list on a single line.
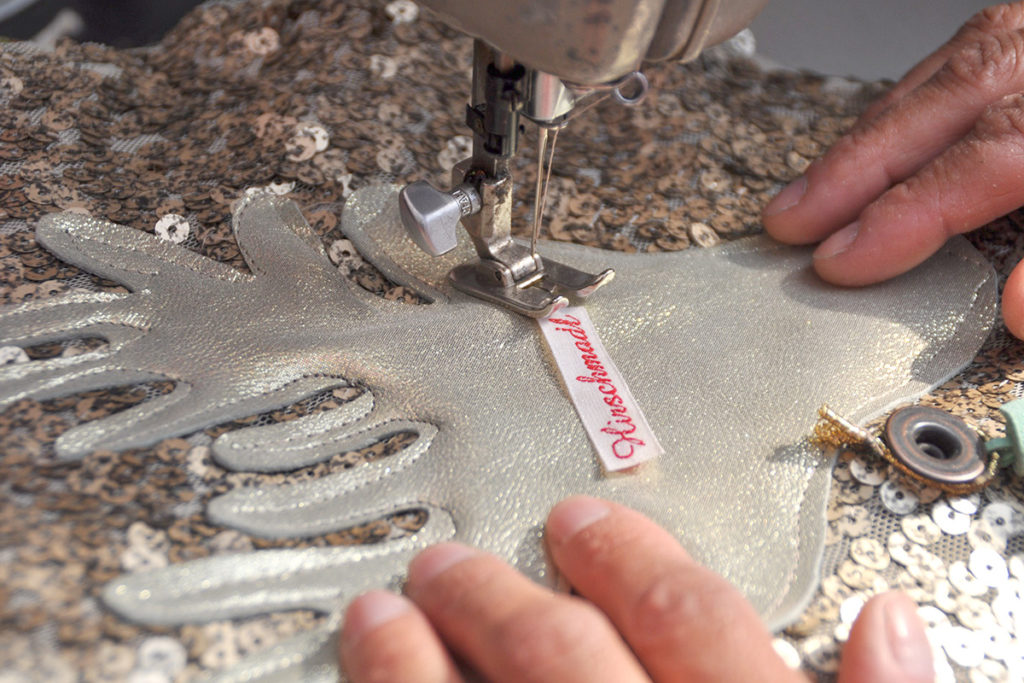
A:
[(941, 154), (646, 611)]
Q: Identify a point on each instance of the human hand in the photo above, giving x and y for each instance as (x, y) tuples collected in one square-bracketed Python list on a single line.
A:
[(645, 610), (939, 155)]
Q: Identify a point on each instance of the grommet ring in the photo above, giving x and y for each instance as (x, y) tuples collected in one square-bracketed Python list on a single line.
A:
[(935, 445)]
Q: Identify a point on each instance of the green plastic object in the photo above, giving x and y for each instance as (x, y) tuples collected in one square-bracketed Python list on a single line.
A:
[(1011, 446)]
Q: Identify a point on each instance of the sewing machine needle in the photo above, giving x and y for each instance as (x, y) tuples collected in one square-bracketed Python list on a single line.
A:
[(543, 177)]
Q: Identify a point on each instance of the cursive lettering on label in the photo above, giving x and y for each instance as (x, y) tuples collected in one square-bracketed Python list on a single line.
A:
[(624, 445), (611, 417)]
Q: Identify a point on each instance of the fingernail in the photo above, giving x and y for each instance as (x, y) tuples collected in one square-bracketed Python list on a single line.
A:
[(788, 198), (907, 641), (572, 516), (435, 560), (838, 242), (370, 611)]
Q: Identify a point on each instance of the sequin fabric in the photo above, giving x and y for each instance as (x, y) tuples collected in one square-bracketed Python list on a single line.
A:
[(288, 95)]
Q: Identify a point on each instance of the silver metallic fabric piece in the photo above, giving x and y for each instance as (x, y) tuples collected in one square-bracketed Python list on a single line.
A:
[(730, 351)]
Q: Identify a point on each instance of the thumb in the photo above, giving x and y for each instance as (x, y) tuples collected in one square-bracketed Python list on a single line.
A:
[(887, 644)]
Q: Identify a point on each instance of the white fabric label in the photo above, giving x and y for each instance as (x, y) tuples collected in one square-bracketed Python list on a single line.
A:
[(612, 418)]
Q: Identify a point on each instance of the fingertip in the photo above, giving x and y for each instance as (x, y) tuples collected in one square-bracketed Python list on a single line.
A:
[(781, 231), (385, 638), (582, 527), (573, 515), (1013, 302), (811, 207), (836, 271), (781, 216), (788, 198), (434, 561), (837, 262), (838, 242), (887, 644), (369, 612)]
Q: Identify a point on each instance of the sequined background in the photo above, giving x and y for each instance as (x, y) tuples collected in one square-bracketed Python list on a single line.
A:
[(321, 98)]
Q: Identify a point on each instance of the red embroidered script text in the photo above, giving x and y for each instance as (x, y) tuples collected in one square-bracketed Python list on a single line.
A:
[(620, 425)]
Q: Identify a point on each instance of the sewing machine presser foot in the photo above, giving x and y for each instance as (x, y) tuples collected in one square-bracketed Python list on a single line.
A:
[(537, 296), (508, 273)]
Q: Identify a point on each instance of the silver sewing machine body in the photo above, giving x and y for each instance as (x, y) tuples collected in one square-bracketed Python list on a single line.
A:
[(545, 61)]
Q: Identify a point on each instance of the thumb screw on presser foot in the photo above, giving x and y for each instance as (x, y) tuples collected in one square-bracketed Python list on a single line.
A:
[(431, 216)]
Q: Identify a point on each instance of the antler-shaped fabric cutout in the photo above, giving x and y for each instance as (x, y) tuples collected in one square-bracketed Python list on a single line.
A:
[(208, 327), (730, 351)]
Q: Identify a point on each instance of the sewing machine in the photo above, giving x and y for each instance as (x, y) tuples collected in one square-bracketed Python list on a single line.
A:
[(546, 62)]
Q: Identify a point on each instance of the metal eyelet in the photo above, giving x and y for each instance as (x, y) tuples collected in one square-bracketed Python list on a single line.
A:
[(935, 445)]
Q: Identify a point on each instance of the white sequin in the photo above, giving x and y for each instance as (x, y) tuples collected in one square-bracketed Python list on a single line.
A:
[(383, 66), (998, 643), (949, 520), (402, 11), (850, 609), (163, 654), (965, 581), (982, 535), (345, 256), (854, 521), (455, 150), (9, 355), (943, 671), (1008, 609), (868, 472), (835, 589), (1016, 565), (1002, 518), (786, 652), (263, 42), (281, 188), (974, 613), (926, 567), (988, 671), (921, 529), (898, 499), (221, 649), (858, 576), (900, 549), (988, 566), (10, 85), (173, 228), (934, 619), (963, 646), (141, 535), (821, 652), (870, 553), (968, 505), (942, 595), (142, 559), (230, 540), (1014, 661)]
